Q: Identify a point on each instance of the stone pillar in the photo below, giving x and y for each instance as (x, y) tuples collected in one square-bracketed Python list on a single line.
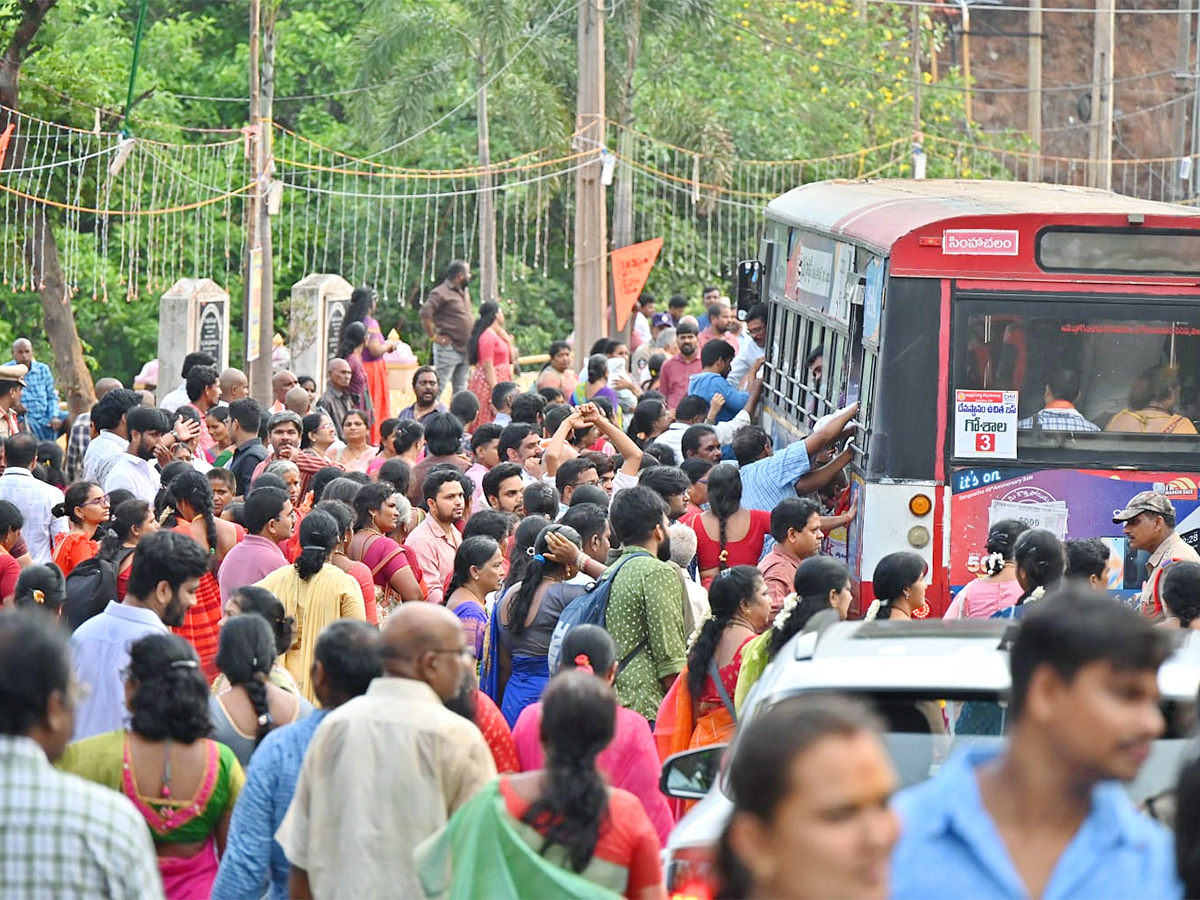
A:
[(193, 315), (315, 315)]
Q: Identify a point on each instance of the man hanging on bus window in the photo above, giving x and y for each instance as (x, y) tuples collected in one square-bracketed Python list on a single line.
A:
[(716, 357), (752, 349), (1059, 413), (1149, 520), (769, 477)]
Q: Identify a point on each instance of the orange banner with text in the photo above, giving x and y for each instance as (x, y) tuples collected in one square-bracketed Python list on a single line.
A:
[(630, 268)]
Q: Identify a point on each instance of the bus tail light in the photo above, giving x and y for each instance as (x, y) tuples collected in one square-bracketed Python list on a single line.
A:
[(920, 505), (918, 536)]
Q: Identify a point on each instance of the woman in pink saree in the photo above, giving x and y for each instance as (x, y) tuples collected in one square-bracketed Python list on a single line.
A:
[(631, 761)]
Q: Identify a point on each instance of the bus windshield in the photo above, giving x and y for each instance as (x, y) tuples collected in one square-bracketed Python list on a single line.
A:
[(1092, 377)]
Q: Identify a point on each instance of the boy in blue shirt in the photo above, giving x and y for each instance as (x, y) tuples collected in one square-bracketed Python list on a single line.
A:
[(716, 357), (1046, 816)]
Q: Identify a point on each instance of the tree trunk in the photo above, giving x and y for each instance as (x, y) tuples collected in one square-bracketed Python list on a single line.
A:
[(488, 272), (41, 251), (40, 248)]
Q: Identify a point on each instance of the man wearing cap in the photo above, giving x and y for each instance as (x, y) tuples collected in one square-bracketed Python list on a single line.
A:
[(662, 340), (12, 383), (1149, 520)]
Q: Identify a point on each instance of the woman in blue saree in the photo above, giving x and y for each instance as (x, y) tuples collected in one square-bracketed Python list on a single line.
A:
[(522, 621)]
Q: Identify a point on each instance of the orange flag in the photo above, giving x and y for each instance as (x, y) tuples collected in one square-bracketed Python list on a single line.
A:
[(5, 137), (630, 268)]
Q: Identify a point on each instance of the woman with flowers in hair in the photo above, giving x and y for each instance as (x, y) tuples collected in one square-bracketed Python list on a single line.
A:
[(899, 583), (820, 583), (998, 587), (698, 710), (523, 619)]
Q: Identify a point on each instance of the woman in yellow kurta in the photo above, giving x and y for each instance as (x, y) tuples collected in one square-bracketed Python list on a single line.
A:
[(315, 592)]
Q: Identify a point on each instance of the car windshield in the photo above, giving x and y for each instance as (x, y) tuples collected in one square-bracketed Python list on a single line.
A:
[(925, 729)]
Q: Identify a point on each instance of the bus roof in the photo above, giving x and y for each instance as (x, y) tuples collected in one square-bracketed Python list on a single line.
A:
[(878, 213)]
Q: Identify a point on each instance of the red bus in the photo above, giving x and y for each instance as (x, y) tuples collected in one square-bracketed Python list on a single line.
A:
[(949, 309)]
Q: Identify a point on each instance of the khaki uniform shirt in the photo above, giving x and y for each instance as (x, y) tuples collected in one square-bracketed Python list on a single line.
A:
[(1173, 549)]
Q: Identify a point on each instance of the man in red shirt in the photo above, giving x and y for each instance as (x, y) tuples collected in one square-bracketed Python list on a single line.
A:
[(674, 375), (720, 315)]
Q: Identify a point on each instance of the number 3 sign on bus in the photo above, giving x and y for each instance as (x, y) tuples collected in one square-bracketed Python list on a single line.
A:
[(985, 424)]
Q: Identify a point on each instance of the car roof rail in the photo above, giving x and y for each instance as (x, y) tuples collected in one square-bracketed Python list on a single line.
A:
[(820, 623)]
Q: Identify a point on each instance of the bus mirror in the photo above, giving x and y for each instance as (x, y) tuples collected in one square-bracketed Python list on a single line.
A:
[(749, 286)]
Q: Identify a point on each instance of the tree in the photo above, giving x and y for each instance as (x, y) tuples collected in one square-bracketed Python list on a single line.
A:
[(38, 242), (404, 41)]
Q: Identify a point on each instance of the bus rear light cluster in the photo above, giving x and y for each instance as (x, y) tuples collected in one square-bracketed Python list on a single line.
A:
[(920, 505)]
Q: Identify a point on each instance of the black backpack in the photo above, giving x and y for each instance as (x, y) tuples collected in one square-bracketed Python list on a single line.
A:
[(90, 586)]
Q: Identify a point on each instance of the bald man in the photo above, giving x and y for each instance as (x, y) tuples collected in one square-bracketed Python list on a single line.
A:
[(234, 385), (81, 431), (282, 382), (298, 400), (387, 770), (43, 415)]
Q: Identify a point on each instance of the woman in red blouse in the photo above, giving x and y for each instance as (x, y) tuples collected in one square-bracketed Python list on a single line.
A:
[(11, 522), (86, 506), (727, 534)]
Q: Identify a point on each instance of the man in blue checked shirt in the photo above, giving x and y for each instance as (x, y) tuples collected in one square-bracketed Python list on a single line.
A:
[(40, 398), (769, 477), (345, 661), (1059, 412), (1047, 816)]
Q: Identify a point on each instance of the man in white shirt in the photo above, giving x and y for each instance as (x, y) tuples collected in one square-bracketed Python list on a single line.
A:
[(753, 349), (163, 579), (34, 498), (108, 416), (386, 770), (135, 470), (176, 398)]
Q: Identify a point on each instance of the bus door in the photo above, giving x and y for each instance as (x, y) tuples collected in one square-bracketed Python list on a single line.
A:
[(1065, 401)]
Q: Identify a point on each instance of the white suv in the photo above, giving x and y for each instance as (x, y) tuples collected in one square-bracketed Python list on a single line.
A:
[(939, 686)]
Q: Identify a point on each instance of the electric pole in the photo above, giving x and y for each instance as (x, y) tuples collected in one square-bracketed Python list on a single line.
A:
[(259, 276), (591, 240), (1035, 89), (1100, 149), (1179, 111)]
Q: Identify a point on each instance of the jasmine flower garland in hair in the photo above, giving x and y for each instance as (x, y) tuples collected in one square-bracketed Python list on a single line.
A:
[(699, 627), (789, 603)]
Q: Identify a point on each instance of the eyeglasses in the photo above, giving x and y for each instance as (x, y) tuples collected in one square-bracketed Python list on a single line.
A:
[(99, 501), (466, 654)]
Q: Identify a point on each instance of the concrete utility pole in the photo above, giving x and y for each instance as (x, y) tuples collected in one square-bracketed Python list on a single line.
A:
[(259, 276), (965, 9), (1100, 144), (1035, 88), (591, 240), (1179, 109)]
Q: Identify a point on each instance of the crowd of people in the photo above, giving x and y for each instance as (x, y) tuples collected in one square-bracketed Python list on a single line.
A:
[(318, 649)]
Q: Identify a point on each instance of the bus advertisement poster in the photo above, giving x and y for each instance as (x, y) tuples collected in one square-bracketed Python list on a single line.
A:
[(985, 424), (1089, 497)]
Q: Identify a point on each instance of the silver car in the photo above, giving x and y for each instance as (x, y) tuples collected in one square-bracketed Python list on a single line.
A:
[(940, 686)]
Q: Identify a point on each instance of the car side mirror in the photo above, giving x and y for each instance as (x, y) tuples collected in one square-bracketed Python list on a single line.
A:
[(749, 286), (689, 775)]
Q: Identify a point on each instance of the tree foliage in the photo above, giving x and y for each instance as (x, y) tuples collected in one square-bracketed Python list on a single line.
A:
[(730, 79)]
